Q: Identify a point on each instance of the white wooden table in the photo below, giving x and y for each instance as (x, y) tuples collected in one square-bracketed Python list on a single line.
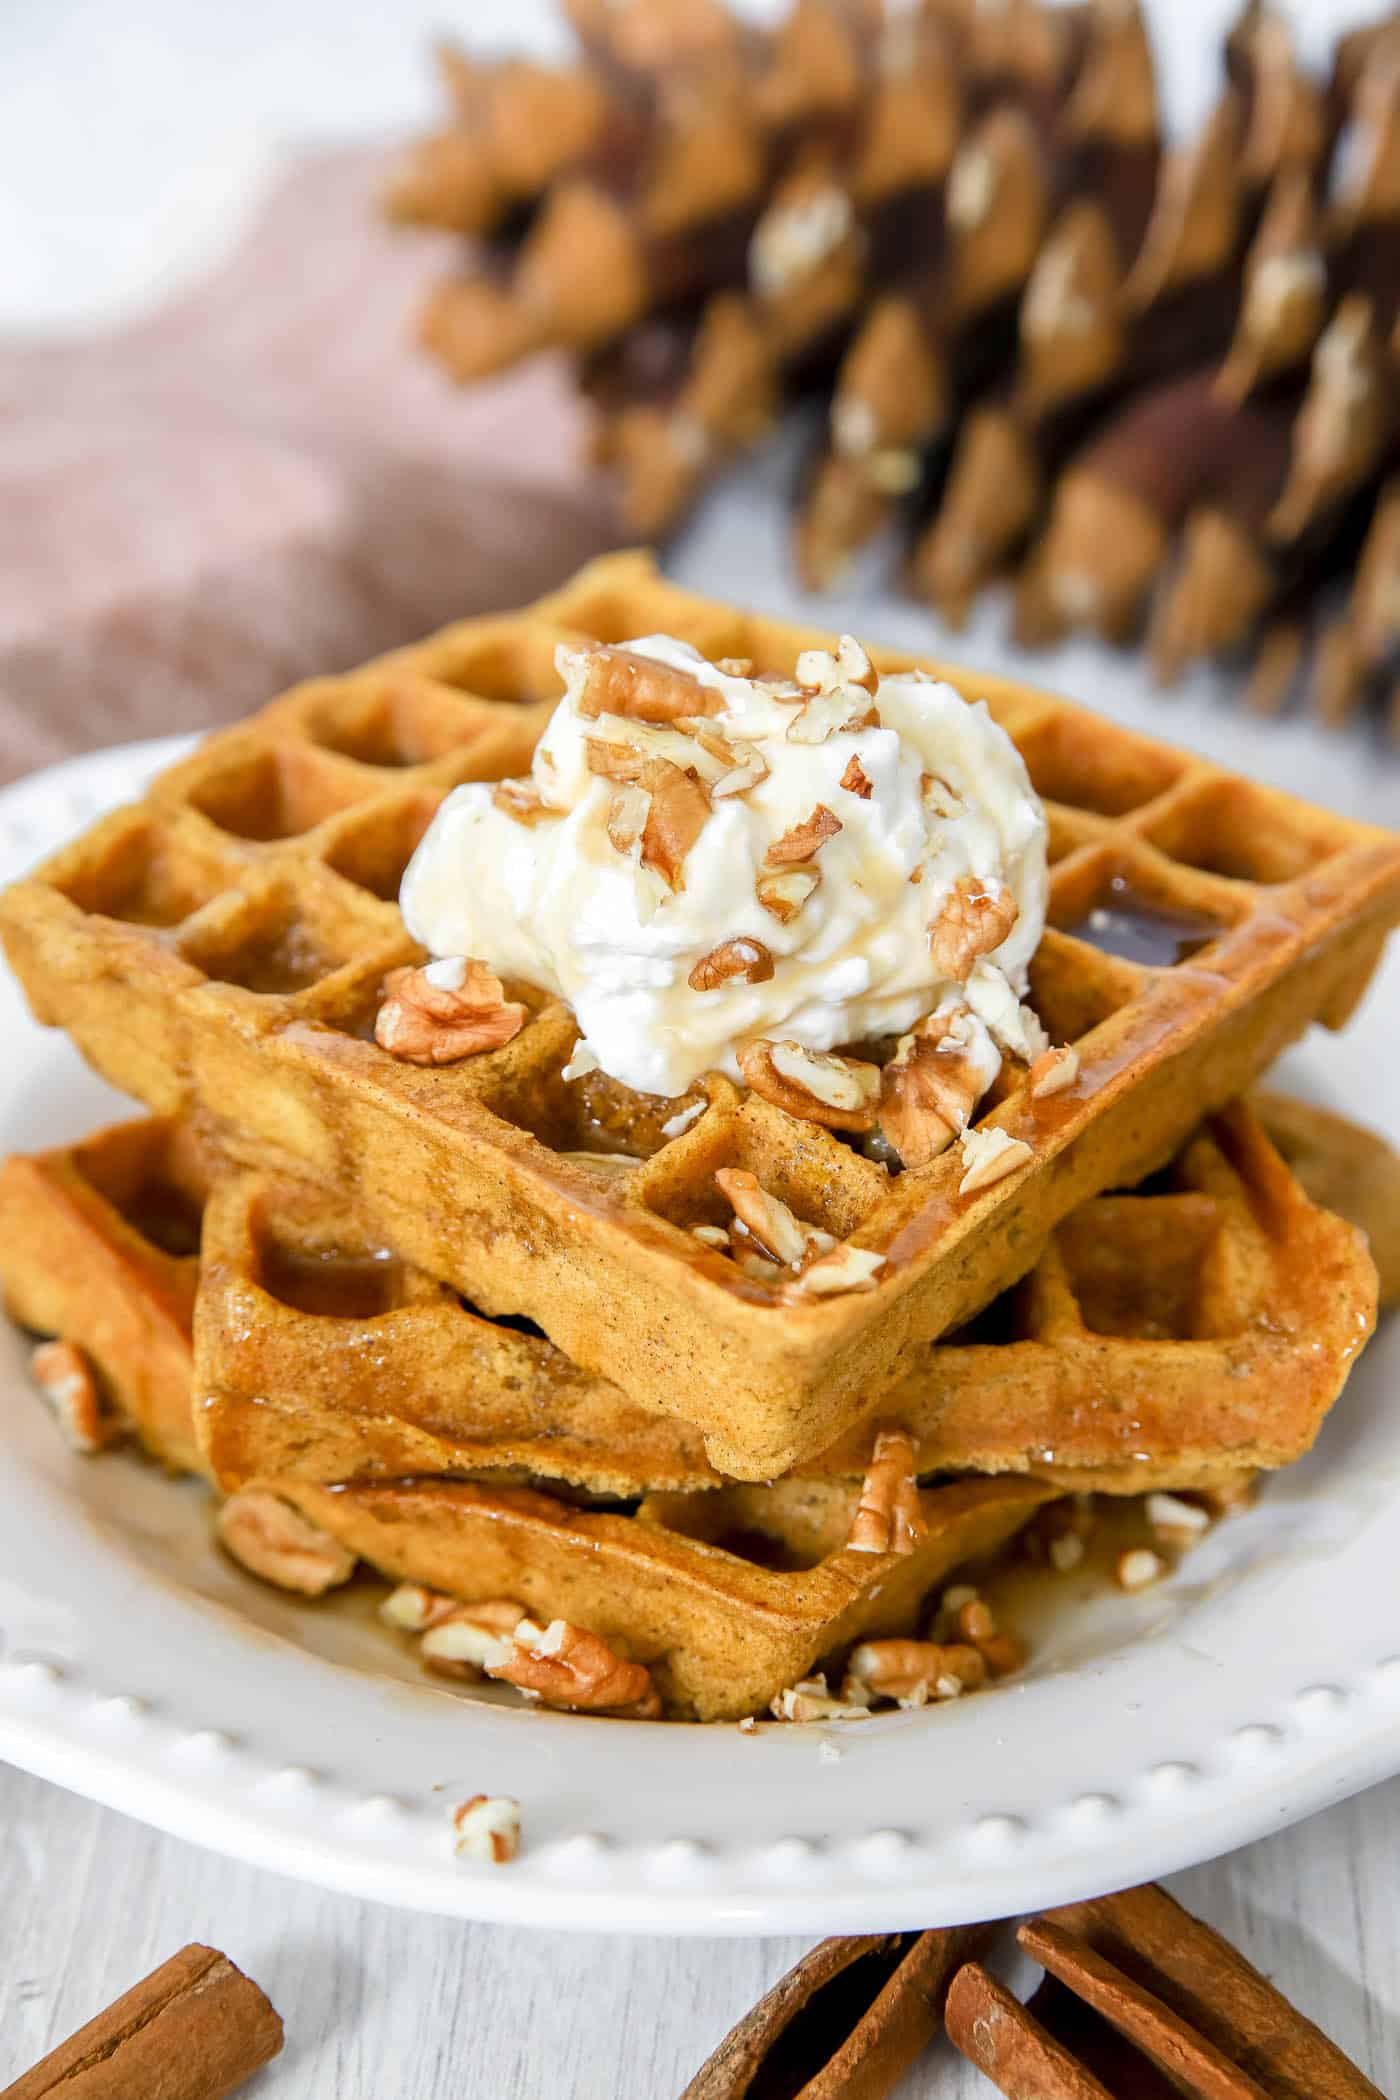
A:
[(382, 2005)]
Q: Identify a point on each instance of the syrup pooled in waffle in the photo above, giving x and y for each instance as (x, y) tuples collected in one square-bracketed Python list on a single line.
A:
[(221, 949), (1169, 1338)]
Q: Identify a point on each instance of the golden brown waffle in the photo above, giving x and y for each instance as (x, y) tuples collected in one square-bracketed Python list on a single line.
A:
[(99, 1243), (221, 948), (1165, 1339)]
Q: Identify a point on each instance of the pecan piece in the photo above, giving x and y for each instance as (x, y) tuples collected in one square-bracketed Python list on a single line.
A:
[(568, 1666), (840, 1092), (846, 1268), (913, 1670), (783, 894), (811, 1700), (855, 779), (976, 918), (675, 819), (413, 1609), (627, 817), (741, 961), (488, 1829), (448, 1011), (888, 1517), (1053, 1071), (988, 1156), (823, 670), (938, 1074), (65, 1378), (804, 839), (272, 1539), (776, 1229), (609, 681), (520, 799), (468, 1639)]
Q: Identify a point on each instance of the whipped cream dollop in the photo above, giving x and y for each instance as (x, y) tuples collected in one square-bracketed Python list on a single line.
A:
[(700, 858)]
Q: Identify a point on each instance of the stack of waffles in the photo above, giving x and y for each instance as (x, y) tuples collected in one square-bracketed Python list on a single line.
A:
[(1158, 382), (490, 1326)]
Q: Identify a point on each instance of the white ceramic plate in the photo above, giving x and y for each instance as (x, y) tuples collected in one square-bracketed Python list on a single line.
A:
[(139, 1667)]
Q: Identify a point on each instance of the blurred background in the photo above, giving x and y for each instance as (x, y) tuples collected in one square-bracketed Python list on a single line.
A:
[(225, 461)]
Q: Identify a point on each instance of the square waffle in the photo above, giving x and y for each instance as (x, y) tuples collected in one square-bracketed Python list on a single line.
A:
[(221, 948), (1166, 1337)]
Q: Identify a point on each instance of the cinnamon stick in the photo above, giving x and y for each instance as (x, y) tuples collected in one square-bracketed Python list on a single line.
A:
[(1009, 2045), (1208, 1984), (845, 2023), (194, 2029)]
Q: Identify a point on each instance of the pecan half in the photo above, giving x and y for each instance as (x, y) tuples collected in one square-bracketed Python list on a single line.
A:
[(776, 1229), (855, 779), (570, 1667), (609, 681), (782, 893), (976, 917), (448, 1011), (804, 839), (675, 819), (488, 1829), (741, 961), (840, 1092), (888, 1517), (938, 1074), (520, 800), (272, 1539), (65, 1378)]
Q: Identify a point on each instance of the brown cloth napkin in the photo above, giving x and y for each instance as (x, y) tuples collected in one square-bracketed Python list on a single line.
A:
[(265, 480)]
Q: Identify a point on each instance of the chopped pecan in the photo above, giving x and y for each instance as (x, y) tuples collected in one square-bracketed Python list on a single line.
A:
[(988, 1156), (735, 666), (620, 749), (804, 839), (855, 779), (1053, 1071), (608, 681), (413, 1609), (784, 893), (520, 799), (570, 1667), (846, 1268), (448, 1011), (1176, 1522), (822, 670), (976, 918), (65, 1378), (627, 817), (811, 1700), (464, 1641), (778, 1231), (488, 1828), (677, 816), (888, 1517), (938, 1074), (895, 1669), (742, 961), (844, 708), (271, 1538), (840, 1092), (1138, 1568)]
